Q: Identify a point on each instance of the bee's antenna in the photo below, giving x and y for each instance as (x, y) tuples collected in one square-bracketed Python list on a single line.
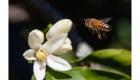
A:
[(83, 19)]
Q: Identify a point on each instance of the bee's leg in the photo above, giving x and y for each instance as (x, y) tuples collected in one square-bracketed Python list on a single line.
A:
[(92, 32), (104, 34), (99, 34), (89, 29)]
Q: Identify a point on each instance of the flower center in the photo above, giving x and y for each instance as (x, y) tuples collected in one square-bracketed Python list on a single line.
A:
[(41, 54)]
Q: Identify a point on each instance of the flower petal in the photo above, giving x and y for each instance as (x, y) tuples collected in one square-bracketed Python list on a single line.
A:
[(68, 41), (59, 28), (39, 70), (52, 45), (83, 50), (29, 54), (65, 47), (57, 63), (35, 39)]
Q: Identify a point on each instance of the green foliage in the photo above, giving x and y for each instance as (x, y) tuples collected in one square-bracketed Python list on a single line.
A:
[(100, 67), (120, 55), (70, 57), (49, 76), (47, 28), (33, 77), (84, 73), (56, 74)]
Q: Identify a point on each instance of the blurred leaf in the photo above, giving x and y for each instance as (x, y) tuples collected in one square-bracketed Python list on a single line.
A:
[(84, 73), (70, 57), (123, 30), (33, 77), (120, 55), (100, 67), (47, 28), (49, 76), (56, 74)]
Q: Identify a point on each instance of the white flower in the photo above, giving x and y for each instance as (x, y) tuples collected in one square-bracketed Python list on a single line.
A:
[(42, 53)]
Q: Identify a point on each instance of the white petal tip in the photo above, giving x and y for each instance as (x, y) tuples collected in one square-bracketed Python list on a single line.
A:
[(35, 39), (68, 22), (59, 28), (29, 54), (39, 73), (58, 64), (68, 68), (64, 49)]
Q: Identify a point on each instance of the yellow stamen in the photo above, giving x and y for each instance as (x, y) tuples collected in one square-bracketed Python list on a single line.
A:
[(41, 54)]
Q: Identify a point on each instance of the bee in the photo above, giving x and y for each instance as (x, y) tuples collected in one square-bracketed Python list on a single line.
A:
[(98, 26)]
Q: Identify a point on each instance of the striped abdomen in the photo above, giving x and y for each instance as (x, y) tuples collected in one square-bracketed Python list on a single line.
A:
[(95, 24)]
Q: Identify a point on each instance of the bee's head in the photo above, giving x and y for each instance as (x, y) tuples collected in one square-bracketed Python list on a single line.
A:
[(87, 22)]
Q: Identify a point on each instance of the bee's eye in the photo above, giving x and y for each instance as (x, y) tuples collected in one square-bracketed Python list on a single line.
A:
[(86, 21)]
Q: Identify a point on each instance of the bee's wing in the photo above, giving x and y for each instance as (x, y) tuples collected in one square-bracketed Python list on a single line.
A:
[(106, 20)]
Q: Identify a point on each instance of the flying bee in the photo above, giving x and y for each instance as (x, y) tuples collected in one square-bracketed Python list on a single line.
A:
[(98, 26)]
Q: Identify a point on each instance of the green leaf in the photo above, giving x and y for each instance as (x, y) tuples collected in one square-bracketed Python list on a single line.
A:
[(120, 55), (84, 73), (33, 77), (49, 76), (70, 57), (57, 75), (47, 28), (100, 67)]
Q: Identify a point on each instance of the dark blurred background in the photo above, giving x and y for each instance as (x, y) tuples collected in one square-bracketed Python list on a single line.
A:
[(25, 15)]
